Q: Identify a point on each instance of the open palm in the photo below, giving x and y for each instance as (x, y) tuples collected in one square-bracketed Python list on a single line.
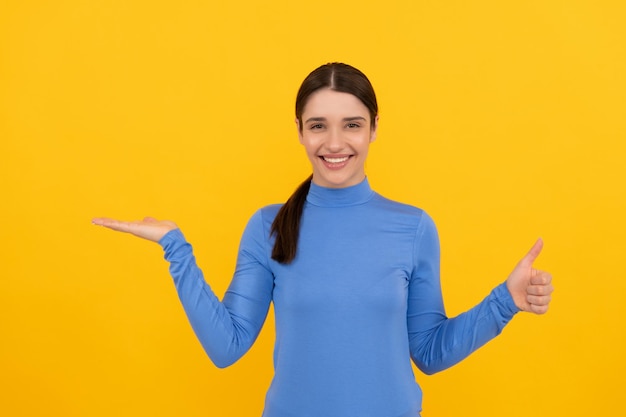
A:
[(149, 228)]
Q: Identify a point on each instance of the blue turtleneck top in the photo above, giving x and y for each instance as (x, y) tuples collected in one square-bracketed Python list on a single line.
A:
[(361, 298)]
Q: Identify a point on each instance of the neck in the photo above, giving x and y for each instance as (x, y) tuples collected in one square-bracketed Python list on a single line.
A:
[(340, 197)]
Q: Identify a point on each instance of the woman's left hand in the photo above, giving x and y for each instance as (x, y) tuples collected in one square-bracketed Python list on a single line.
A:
[(530, 288)]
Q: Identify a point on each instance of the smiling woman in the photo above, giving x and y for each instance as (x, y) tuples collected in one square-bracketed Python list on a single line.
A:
[(353, 276)]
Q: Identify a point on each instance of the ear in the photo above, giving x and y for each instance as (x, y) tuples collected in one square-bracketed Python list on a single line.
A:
[(299, 130), (374, 130)]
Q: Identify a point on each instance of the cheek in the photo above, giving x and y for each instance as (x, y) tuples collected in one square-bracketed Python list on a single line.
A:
[(365, 144), (310, 144), (309, 148)]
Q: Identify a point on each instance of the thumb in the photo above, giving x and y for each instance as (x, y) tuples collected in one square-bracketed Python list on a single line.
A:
[(150, 220), (533, 253)]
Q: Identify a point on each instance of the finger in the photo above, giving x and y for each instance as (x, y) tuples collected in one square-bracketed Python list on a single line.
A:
[(539, 290), (539, 309), (532, 254), (539, 300), (113, 224), (103, 221), (541, 278)]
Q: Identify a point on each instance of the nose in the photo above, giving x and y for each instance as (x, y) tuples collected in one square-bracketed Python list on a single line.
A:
[(334, 141)]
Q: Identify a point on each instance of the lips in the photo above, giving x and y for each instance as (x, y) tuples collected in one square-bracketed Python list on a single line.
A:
[(335, 160)]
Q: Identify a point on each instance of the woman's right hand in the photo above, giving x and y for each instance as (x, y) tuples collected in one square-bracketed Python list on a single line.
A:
[(149, 228)]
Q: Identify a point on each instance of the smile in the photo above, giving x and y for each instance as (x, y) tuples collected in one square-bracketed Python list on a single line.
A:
[(335, 160)]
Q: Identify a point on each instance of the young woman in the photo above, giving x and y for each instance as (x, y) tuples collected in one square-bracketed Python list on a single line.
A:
[(354, 277)]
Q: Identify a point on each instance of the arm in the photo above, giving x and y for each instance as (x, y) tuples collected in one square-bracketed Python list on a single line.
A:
[(438, 342), (225, 329)]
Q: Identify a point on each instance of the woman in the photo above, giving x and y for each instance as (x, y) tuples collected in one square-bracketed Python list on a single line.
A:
[(354, 277)]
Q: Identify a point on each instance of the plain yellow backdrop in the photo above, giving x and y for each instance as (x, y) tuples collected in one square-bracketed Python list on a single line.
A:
[(505, 121)]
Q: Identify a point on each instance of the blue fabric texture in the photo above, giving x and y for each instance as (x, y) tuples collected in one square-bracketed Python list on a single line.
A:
[(360, 300)]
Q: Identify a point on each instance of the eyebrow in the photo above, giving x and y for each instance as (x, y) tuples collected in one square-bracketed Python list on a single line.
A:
[(345, 119)]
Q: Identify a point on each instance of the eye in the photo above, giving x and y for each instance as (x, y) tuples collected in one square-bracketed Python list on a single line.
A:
[(353, 125), (316, 126)]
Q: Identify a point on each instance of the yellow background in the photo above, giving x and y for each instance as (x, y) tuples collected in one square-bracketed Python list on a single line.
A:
[(505, 121)]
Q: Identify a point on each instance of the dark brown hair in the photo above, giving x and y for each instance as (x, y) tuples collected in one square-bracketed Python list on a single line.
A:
[(337, 77)]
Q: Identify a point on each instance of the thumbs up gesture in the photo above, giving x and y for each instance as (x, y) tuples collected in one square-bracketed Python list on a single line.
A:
[(530, 288)]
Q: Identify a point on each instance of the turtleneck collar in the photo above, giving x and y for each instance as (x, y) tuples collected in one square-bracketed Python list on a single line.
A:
[(340, 197)]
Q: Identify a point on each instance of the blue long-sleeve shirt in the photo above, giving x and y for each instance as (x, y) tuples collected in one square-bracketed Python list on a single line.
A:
[(360, 299)]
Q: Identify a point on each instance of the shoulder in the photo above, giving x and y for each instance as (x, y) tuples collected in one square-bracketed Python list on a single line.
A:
[(256, 236), (262, 219), (267, 213), (402, 210), (403, 218)]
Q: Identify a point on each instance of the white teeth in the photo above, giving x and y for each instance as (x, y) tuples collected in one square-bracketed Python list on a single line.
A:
[(335, 160)]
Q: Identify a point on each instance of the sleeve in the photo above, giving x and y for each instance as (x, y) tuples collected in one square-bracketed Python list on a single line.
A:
[(436, 341), (226, 329)]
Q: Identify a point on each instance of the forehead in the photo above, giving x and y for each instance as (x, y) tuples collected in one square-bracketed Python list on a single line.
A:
[(329, 103)]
